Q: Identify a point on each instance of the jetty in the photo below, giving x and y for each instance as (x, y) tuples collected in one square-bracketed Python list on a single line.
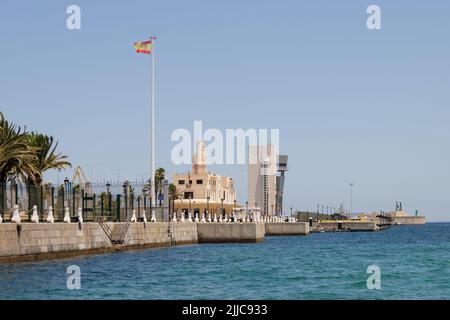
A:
[(42, 241)]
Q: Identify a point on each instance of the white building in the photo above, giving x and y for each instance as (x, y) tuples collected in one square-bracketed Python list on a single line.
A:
[(262, 178)]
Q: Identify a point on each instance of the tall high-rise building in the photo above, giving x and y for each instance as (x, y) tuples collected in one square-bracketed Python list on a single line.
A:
[(262, 169), (281, 168)]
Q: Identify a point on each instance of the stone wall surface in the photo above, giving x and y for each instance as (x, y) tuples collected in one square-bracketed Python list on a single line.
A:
[(409, 220), (47, 239), (160, 234), (347, 226), (30, 241), (284, 228), (230, 232)]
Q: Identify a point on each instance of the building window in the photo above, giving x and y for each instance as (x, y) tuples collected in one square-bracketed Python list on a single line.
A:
[(188, 195), (199, 181), (180, 181), (190, 181)]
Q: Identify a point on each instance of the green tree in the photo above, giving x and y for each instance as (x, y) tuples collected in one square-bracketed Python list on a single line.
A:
[(174, 194), (16, 155), (46, 156), (160, 175)]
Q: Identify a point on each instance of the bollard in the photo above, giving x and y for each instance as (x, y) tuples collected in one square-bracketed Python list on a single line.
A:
[(144, 217), (133, 216), (80, 215), (34, 216), (16, 216), (50, 218), (66, 215)]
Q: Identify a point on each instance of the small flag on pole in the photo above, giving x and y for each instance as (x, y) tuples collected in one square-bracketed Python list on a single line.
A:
[(143, 47)]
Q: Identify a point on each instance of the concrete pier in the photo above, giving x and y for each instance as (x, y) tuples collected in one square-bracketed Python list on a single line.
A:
[(408, 220), (230, 232), (286, 229), (40, 241), (340, 226)]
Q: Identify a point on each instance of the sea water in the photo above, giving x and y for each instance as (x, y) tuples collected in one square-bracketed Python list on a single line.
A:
[(414, 263)]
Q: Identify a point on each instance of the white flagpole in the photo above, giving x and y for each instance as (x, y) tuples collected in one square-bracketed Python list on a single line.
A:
[(153, 158)]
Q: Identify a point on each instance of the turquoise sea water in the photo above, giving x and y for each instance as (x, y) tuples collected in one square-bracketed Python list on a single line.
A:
[(414, 263)]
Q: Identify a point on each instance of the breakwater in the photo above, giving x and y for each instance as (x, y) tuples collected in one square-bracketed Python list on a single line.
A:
[(40, 241), (345, 226)]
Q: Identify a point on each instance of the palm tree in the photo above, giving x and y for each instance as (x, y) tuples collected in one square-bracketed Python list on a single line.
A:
[(160, 175), (16, 155), (174, 194), (46, 156)]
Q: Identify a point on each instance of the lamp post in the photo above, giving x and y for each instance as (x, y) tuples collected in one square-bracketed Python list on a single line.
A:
[(246, 209), (67, 191), (351, 199), (125, 195), (108, 191), (235, 213), (190, 207)]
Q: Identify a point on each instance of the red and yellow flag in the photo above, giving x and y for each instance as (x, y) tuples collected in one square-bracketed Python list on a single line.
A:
[(143, 47)]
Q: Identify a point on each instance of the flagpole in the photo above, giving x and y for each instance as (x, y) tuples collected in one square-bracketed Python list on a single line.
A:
[(153, 158)]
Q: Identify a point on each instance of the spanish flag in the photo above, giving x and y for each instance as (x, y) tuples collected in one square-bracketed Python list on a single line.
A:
[(143, 47)]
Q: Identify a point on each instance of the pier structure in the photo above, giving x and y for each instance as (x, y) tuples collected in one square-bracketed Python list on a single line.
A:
[(41, 241), (401, 217)]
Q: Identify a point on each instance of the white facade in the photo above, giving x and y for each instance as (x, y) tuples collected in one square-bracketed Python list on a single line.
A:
[(262, 169)]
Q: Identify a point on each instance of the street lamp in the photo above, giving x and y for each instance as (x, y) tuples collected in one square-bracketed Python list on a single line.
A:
[(351, 199), (108, 191), (246, 209), (66, 188), (125, 194)]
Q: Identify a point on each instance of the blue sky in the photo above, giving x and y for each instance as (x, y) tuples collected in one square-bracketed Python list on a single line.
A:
[(352, 105)]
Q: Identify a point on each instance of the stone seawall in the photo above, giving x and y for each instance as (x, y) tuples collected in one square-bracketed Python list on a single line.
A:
[(409, 220), (41, 241), (285, 229), (330, 226), (44, 241), (160, 234), (230, 232)]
